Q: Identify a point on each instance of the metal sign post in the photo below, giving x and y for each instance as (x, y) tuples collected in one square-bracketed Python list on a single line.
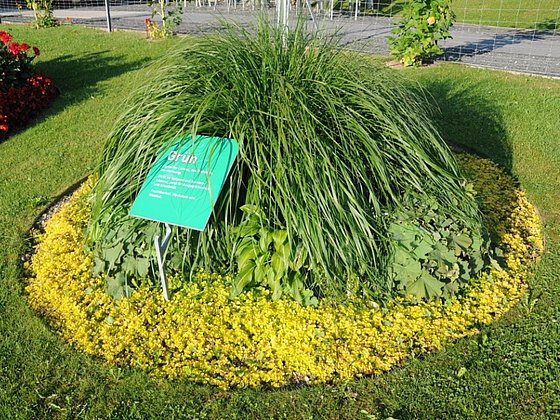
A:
[(160, 254)]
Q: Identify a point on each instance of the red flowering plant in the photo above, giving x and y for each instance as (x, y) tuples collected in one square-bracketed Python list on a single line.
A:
[(15, 61), (23, 92)]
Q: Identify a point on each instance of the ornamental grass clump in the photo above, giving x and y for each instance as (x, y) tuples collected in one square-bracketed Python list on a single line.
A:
[(330, 146)]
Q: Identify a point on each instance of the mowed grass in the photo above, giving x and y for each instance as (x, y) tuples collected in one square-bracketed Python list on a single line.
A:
[(523, 14), (510, 370), (531, 14)]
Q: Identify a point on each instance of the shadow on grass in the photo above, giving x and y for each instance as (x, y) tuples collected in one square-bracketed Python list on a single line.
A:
[(549, 25), (467, 120), (80, 77)]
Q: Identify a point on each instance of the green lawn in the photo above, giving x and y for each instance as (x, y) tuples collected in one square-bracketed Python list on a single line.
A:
[(539, 14), (512, 368), (525, 14)]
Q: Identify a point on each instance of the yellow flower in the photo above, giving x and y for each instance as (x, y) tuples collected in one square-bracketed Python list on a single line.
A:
[(431, 20)]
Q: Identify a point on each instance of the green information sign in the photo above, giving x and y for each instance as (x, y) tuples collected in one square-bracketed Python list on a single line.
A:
[(185, 182)]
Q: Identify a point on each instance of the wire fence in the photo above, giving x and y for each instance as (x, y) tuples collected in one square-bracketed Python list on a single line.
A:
[(515, 35)]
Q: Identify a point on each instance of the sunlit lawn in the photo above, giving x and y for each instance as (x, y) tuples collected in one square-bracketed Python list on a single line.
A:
[(512, 368)]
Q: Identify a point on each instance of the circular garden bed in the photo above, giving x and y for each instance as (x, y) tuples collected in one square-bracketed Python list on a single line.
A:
[(203, 334)]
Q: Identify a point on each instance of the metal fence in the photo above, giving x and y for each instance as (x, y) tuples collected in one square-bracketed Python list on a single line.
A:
[(516, 35)]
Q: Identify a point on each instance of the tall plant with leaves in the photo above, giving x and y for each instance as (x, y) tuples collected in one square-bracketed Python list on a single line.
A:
[(171, 15), (42, 13), (422, 25), (328, 144)]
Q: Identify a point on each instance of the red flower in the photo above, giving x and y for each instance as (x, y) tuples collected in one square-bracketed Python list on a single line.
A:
[(19, 105), (24, 46), (36, 51), (5, 37), (14, 48)]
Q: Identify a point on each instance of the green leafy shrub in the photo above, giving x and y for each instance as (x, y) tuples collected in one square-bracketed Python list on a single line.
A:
[(329, 144), (434, 254), (267, 258), (42, 13), (171, 14), (422, 24)]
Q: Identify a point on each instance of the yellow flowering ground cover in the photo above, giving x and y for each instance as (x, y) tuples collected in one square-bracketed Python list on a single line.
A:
[(253, 341)]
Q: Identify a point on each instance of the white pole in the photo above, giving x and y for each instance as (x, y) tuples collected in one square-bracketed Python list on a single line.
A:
[(282, 19), (108, 14)]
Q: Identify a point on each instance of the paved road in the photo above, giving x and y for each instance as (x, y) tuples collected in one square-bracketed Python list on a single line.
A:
[(536, 52)]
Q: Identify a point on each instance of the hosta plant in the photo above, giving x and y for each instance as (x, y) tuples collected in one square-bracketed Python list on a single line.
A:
[(329, 144), (422, 24)]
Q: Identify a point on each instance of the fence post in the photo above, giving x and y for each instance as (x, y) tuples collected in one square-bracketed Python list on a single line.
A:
[(108, 14)]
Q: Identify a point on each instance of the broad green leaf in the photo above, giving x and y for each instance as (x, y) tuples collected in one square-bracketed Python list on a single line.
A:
[(246, 257), (129, 264), (142, 266), (115, 286), (253, 210), (265, 240), (402, 234), (463, 241), (242, 279), (278, 265), (279, 237), (423, 249), (261, 268), (425, 287), (300, 259), (112, 255), (98, 266), (249, 229)]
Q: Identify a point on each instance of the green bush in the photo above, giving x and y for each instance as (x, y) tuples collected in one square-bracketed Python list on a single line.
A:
[(329, 144), (42, 13), (171, 14), (423, 23)]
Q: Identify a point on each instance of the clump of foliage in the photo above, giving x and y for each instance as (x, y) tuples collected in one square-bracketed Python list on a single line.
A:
[(253, 341), (42, 13), (435, 254), (329, 145), (23, 92), (422, 24)]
